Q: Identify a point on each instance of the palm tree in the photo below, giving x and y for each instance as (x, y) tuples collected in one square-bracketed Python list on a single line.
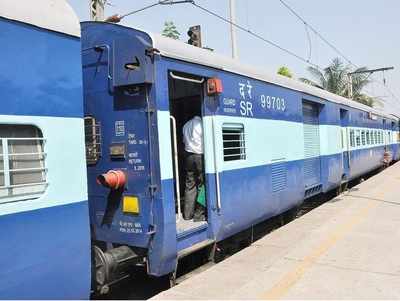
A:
[(334, 78)]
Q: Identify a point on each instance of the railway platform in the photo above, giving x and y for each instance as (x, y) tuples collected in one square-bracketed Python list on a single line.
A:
[(347, 248)]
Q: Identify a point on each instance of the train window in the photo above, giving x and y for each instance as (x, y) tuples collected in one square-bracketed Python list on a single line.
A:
[(358, 138), (363, 137), (22, 163), (368, 138), (92, 140), (352, 138), (234, 142)]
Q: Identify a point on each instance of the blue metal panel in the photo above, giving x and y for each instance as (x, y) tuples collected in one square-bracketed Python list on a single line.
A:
[(247, 196), (365, 160), (132, 51), (40, 72), (45, 254)]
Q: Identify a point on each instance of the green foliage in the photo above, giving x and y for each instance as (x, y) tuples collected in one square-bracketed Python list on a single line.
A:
[(285, 71), (334, 79), (170, 30)]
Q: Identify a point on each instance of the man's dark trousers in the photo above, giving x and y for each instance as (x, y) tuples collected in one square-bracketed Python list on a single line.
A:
[(194, 179)]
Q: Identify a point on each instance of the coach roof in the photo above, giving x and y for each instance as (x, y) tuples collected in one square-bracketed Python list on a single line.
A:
[(55, 15), (182, 51)]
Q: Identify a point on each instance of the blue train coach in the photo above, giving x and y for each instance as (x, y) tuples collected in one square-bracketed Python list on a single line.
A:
[(270, 142), (44, 219)]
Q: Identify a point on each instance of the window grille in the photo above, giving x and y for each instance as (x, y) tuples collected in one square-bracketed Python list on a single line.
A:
[(352, 138), (363, 137), (358, 138), (92, 140), (22, 163), (234, 142)]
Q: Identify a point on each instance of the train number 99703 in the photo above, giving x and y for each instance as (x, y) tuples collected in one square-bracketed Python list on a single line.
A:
[(272, 103)]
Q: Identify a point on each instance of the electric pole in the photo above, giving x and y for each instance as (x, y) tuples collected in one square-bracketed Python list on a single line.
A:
[(233, 31), (97, 9), (369, 71)]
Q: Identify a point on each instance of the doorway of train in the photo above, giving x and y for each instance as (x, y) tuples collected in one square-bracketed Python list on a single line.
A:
[(186, 107), (344, 121)]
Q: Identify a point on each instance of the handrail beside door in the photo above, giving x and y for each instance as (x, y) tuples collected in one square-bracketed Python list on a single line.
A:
[(176, 166)]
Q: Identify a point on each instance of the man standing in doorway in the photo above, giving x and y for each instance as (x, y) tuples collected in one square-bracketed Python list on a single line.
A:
[(193, 140)]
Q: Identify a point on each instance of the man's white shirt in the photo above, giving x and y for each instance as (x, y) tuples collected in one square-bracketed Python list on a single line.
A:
[(193, 135)]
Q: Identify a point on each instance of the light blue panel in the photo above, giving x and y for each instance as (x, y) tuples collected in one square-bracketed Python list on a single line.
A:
[(164, 144), (266, 141), (65, 161), (330, 140)]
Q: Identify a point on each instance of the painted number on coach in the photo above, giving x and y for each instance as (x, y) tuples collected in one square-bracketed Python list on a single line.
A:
[(272, 103)]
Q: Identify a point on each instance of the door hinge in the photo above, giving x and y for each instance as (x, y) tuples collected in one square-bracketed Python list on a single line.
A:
[(153, 189), (150, 110)]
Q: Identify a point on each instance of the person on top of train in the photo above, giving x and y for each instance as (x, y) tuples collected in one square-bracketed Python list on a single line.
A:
[(193, 140)]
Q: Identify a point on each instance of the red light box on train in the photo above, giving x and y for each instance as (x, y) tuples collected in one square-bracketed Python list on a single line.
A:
[(214, 86)]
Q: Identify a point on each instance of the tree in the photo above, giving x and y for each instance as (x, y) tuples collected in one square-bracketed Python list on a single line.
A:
[(170, 30), (334, 78), (285, 71)]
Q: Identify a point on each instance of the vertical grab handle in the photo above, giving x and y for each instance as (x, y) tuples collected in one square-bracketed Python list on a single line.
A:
[(216, 165), (176, 166)]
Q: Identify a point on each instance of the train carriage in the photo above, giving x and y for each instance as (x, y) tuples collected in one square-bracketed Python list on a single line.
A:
[(270, 142), (45, 235)]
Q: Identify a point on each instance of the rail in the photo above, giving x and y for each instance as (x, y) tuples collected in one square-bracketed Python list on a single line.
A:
[(176, 167), (217, 182), (192, 80)]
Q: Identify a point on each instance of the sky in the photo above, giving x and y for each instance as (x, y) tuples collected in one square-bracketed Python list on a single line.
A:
[(365, 31)]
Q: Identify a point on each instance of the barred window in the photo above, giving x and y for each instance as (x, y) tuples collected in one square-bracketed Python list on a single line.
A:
[(368, 138), (352, 144), (358, 137), (234, 142), (92, 140), (363, 137), (22, 163)]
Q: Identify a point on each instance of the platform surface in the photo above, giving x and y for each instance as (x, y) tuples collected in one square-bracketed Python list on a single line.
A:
[(348, 248)]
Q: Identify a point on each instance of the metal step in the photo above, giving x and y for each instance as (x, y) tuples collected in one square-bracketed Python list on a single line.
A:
[(194, 248)]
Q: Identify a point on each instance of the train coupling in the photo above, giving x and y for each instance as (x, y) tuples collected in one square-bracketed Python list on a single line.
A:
[(112, 266)]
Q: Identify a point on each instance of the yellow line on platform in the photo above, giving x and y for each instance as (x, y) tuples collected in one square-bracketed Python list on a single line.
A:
[(290, 278)]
